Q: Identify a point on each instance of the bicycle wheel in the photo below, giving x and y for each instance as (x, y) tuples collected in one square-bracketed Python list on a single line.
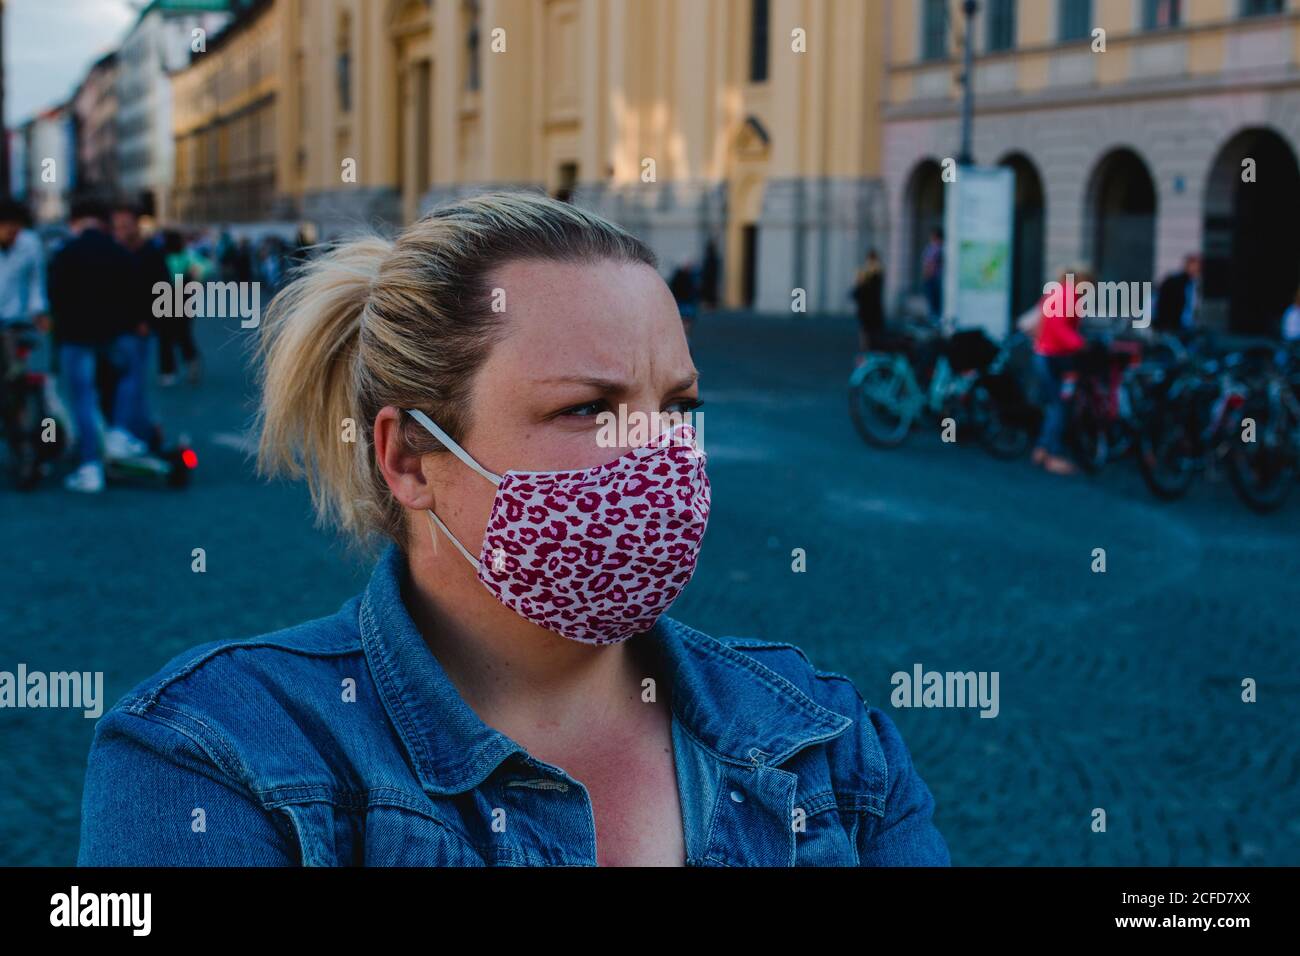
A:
[(998, 434), (1087, 437), (1262, 472), (1166, 456), (877, 405)]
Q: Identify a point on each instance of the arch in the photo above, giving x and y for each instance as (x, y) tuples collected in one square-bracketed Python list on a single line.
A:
[(1120, 218), (923, 210), (1251, 251), (747, 165), (1029, 232)]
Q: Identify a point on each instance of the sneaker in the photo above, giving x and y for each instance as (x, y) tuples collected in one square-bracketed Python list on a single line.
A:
[(89, 479), (121, 444), (1059, 466)]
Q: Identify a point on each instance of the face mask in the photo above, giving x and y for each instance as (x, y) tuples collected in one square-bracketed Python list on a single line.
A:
[(597, 554)]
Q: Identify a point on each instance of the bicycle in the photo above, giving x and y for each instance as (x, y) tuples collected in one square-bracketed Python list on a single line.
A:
[(961, 378), (1262, 471), (1195, 423), (34, 426)]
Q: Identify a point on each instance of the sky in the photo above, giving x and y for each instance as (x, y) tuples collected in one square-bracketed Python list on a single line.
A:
[(49, 44)]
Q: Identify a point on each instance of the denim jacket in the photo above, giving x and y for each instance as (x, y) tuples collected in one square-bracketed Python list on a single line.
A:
[(342, 741)]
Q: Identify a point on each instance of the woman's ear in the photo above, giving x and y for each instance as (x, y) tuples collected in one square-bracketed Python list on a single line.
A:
[(403, 470)]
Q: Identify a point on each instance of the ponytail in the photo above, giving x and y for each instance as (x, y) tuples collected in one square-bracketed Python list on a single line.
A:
[(309, 380)]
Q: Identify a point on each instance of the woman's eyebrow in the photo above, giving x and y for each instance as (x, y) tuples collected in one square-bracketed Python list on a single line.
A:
[(609, 384)]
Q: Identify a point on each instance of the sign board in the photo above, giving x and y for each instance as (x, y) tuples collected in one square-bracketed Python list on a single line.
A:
[(978, 228)]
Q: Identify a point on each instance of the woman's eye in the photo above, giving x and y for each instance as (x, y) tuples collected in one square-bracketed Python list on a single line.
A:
[(684, 405), (586, 409)]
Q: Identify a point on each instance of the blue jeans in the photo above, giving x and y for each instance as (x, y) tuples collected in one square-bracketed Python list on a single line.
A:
[(1050, 370), (77, 365), (130, 355), (934, 297)]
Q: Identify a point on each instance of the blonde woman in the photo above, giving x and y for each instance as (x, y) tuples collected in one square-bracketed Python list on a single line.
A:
[(507, 689)]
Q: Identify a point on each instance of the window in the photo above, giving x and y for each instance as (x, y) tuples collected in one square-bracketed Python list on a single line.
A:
[(1074, 19), (1161, 14), (473, 58), (344, 68), (343, 64), (934, 30), (1001, 25), (758, 30), (1256, 8)]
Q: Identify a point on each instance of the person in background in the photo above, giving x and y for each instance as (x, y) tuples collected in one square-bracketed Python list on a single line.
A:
[(1056, 341), (22, 271), (932, 275), (270, 265), (150, 269), (709, 273), (22, 290), (685, 289), (868, 293), (1291, 321), (1179, 298), (92, 296), (177, 332)]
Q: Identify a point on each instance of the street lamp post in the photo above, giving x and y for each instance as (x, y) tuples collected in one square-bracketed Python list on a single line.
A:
[(967, 157)]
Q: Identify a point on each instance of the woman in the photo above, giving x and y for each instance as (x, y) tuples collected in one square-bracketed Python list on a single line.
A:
[(1057, 341), (868, 292), (177, 332), (506, 691)]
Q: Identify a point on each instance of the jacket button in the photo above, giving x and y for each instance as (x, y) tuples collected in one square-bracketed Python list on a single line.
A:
[(737, 796)]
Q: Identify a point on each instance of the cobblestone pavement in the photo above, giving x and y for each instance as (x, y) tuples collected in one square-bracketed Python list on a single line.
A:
[(1118, 691)]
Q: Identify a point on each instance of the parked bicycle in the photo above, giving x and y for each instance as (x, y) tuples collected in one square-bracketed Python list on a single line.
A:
[(924, 375), (34, 426), (1195, 423)]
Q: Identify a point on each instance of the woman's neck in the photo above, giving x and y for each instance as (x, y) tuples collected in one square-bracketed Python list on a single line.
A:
[(520, 678)]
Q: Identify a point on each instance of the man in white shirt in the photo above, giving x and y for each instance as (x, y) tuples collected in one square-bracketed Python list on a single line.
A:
[(22, 270)]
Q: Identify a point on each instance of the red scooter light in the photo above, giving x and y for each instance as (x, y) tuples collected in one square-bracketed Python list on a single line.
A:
[(190, 459)]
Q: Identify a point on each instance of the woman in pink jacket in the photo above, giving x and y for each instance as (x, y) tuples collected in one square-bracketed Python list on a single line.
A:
[(1056, 341)]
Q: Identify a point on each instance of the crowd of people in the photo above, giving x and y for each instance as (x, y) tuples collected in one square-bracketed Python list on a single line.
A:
[(94, 296)]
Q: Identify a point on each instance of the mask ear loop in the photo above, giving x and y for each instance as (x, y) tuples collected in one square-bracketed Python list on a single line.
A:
[(433, 518), (452, 447), (460, 453)]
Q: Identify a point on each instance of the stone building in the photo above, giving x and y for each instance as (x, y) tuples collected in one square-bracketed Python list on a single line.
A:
[(1179, 136)]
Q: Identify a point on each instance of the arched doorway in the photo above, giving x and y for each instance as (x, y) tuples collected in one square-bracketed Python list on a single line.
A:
[(1252, 249), (1122, 219), (746, 183), (923, 214), (1029, 229)]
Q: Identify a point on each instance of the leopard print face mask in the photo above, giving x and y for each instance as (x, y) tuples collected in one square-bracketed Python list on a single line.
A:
[(596, 554)]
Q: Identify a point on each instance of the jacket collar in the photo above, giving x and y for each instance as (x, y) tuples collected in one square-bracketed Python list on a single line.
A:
[(741, 711)]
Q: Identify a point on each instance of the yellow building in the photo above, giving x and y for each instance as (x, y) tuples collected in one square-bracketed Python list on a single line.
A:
[(234, 138), (754, 123), (1140, 131)]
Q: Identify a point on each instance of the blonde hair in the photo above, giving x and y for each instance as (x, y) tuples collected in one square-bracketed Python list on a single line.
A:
[(373, 322)]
